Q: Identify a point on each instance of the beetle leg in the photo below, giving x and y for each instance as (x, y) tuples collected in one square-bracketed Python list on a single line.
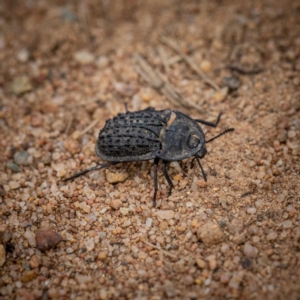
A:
[(210, 123), (91, 169), (203, 174), (164, 164), (156, 161), (192, 163)]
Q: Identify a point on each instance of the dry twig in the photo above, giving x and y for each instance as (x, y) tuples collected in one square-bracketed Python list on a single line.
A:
[(164, 58), (155, 79), (88, 128), (161, 250), (189, 61)]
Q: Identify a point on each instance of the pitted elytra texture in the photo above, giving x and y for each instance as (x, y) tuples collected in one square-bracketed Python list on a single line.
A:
[(166, 135), (131, 134)]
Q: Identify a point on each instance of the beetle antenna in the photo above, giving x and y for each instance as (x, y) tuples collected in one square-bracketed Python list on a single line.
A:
[(203, 174), (89, 170), (227, 130)]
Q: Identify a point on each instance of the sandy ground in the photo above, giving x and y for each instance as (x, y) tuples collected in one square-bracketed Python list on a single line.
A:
[(68, 66)]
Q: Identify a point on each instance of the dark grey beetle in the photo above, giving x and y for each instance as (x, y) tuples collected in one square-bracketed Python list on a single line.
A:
[(168, 135)]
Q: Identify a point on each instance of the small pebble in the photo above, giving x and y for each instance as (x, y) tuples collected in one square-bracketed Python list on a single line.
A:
[(116, 204), (272, 236), (29, 275), (239, 238), (287, 224), (235, 281), (212, 262), (225, 248), (221, 94), (251, 210), (49, 107), (14, 167), (210, 234), (250, 251), (46, 158), (102, 255), (124, 211), (205, 66), (22, 158), (125, 89), (23, 55), (47, 239), (201, 263), (256, 239), (69, 250), (21, 85), (169, 289), (291, 134), (14, 185), (5, 236), (232, 83), (224, 278), (260, 175), (165, 214), (89, 244), (116, 177), (148, 222), (280, 198), (30, 236), (187, 280), (236, 226), (89, 193), (72, 146), (126, 223), (84, 57), (259, 203), (34, 262), (163, 225), (102, 62), (56, 156), (85, 207)]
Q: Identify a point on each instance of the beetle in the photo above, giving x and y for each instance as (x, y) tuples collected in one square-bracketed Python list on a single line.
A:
[(167, 135)]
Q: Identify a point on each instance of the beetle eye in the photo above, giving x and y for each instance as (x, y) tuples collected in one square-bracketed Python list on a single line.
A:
[(193, 141)]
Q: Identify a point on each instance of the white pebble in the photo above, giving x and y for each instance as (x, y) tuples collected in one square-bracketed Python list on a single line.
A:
[(89, 244), (135, 249), (30, 236), (124, 211), (85, 207), (89, 193), (250, 251), (149, 222), (127, 223), (251, 210), (84, 57), (287, 224), (23, 55)]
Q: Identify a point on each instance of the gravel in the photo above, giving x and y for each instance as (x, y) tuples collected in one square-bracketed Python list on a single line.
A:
[(66, 69)]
